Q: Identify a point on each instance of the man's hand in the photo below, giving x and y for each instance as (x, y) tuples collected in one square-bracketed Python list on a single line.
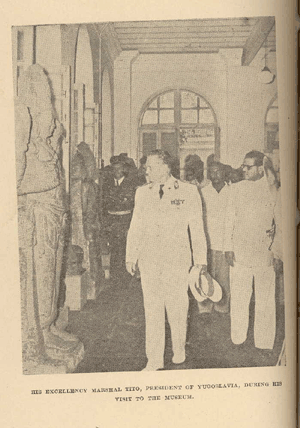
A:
[(202, 268), (131, 268), (230, 258), (195, 273)]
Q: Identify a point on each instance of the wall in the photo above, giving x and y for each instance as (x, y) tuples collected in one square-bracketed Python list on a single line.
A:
[(233, 91), (248, 100)]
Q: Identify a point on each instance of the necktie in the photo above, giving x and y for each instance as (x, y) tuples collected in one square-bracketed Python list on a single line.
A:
[(161, 192)]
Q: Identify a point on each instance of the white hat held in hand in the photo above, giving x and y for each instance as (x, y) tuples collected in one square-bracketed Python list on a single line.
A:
[(204, 286)]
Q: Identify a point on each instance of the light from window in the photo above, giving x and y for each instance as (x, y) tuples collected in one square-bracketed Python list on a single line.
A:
[(153, 104), (150, 117), (205, 116), (189, 116), (167, 100), (188, 100), (166, 116), (203, 104), (188, 106)]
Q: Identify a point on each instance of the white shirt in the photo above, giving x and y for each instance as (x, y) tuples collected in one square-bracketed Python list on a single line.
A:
[(118, 182), (249, 216), (277, 243), (214, 212)]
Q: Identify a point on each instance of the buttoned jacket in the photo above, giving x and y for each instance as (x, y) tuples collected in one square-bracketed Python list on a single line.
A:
[(168, 231)]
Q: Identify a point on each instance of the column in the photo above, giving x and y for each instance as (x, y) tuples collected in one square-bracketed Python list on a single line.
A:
[(122, 101)]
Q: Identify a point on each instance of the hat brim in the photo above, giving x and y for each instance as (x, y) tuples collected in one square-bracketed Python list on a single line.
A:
[(206, 288)]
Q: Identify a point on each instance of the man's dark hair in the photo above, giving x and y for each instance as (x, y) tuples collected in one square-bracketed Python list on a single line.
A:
[(210, 159), (143, 160), (195, 166), (164, 156), (114, 159), (257, 156), (218, 164)]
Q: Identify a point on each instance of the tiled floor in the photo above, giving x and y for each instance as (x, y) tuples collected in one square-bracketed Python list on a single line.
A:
[(112, 329)]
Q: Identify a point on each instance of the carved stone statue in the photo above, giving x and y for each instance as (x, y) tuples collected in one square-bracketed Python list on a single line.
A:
[(42, 216)]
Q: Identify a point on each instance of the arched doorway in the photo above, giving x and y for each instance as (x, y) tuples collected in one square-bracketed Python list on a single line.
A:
[(85, 125), (181, 122)]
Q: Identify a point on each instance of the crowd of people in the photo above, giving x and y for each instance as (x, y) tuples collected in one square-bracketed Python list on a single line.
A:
[(222, 229)]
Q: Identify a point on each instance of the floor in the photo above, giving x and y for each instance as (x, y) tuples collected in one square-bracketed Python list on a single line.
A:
[(112, 329)]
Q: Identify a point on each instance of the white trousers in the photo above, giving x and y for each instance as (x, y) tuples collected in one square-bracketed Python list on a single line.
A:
[(241, 287), (164, 292)]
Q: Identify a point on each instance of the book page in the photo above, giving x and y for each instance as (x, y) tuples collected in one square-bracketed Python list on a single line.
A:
[(205, 79)]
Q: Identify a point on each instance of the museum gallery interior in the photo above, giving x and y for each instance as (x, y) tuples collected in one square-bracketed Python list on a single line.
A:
[(117, 91)]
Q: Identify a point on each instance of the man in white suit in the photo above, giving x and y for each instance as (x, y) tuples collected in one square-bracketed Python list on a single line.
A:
[(166, 238), (249, 224)]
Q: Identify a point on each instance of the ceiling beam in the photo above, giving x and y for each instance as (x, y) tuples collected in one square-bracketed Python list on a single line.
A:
[(187, 23), (182, 35), (185, 47), (171, 50), (257, 38), (245, 29), (184, 40)]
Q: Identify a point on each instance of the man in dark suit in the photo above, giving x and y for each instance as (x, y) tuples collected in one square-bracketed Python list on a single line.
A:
[(118, 202)]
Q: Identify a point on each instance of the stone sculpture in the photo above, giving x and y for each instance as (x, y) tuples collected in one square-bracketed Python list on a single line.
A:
[(42, 218)]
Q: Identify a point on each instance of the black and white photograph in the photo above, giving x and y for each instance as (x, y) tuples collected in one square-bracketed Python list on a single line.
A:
[(149, 195)]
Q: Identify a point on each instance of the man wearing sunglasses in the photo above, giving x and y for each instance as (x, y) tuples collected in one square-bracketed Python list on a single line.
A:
[(250, 219)]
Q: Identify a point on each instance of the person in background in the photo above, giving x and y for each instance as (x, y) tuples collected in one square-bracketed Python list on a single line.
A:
[(89, 160), (235, 175), (159, 243), (210, 159), (130, 169), (93, 195), (274, 185), (194, 171), (142, 179), (118, 201), (84, 209), (228, 170), (248, 239), (175, 167), (214, 199)]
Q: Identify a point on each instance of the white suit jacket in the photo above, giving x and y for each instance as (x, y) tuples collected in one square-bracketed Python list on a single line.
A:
[(250, 215), (167, 232)]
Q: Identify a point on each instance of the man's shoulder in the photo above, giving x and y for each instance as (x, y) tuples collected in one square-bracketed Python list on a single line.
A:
[(189, 190), (181, 184), (240, 186), (141, 190), (129, 181)]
